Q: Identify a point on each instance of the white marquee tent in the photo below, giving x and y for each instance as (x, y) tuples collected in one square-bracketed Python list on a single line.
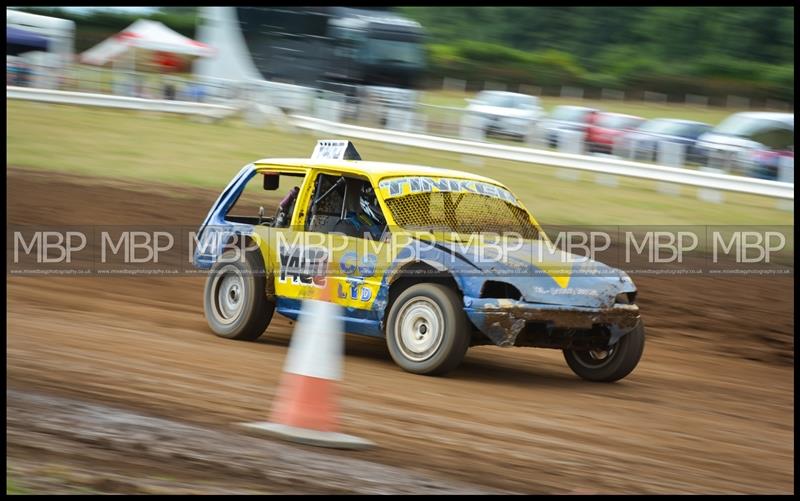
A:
[(144, 35)]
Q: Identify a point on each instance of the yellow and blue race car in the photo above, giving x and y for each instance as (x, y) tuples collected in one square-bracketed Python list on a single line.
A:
[(433, 260)]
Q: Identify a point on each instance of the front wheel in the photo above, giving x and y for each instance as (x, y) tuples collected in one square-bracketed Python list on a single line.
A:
[(611, 363), (427, 331)]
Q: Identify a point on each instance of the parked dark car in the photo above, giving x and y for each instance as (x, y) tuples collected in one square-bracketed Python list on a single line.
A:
[(766, 164), (566, 118), (602, 135), (749, 143), (642, 143)]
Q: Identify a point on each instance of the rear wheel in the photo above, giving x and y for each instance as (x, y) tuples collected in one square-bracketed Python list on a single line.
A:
[(611, 363), (427, 331), (235, 299)]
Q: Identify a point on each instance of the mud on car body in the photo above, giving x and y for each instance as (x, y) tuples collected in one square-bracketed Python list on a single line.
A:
[(433, 260)]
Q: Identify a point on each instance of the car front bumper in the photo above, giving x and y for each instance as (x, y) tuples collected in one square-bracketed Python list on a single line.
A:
[(502, 320)]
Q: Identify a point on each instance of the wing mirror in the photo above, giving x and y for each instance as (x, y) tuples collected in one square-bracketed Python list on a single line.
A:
[(271, 181)]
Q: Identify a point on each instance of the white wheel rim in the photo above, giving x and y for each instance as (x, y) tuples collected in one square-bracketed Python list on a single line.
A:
[(419, 329), (229, 294)]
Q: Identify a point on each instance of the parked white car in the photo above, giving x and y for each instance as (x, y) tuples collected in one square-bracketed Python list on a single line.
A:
[(749, 143), (504, 114)]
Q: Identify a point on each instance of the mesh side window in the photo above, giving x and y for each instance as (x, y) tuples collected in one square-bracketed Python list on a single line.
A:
[(460, 213)]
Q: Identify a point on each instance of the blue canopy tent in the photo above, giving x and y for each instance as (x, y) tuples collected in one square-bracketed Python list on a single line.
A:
[(19, 41)]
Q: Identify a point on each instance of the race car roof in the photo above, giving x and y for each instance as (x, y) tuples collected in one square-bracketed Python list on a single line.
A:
[(373, 170)]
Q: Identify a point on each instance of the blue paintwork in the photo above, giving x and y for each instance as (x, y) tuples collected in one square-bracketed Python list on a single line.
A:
[(591, 292), (364, 322), (215, 230), (585, 294)]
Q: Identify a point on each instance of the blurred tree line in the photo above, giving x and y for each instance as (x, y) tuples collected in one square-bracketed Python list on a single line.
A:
[(711, 51)]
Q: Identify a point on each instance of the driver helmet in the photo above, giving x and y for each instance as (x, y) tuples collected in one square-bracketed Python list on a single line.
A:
[(368, 203)]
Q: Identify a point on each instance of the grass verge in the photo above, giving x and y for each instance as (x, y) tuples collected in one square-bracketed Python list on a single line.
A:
[(174, 149)]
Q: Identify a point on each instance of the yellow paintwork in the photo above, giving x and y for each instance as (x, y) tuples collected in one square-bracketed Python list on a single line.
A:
[(374, 171), (337, 285), (337, 282)]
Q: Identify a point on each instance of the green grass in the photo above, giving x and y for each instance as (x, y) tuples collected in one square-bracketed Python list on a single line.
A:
[(176, 150), (12, 488), (53, 478)]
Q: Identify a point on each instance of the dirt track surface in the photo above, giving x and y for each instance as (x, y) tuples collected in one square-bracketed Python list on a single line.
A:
[(100, 434), (708, 410)]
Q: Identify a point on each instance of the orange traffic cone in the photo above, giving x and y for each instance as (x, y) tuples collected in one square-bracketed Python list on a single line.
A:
[(305, 409)]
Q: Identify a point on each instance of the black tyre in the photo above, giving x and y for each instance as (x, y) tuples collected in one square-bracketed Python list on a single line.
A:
[(611, 364), (427, 331), (235, 300)]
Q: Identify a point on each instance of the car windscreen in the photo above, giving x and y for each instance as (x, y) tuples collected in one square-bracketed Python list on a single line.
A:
[(528, 102), (619, 121), (744, 126), (455, 206), (775, 138), (569, 114), (667, 127), (499, 100)]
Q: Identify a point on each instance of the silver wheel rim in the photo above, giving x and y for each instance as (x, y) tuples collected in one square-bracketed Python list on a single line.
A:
[(229, 294), (594, 359), (419, 329)]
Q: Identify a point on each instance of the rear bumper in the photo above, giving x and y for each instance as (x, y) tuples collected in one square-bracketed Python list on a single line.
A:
[(503, 319)]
